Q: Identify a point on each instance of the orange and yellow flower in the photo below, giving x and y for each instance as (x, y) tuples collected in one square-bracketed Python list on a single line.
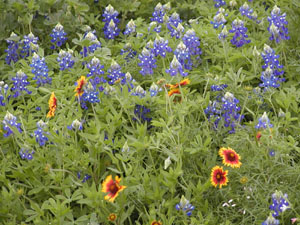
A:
[(52, 105), (219, 176), (173, 91), (112, 187), (112, 217), (80, 84), (155, 222), (184, 82), (230, 157)]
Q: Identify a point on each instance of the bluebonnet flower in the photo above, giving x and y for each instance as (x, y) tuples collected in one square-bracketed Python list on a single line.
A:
[(8, 122), (130, 53), (175, 68), (271, 221), (264, 122), (232, 3), (218, 87), (172, 23), (85, 177), (219, 3), (65, 59), (26, 154), (3, 93), (110, 14), (160, 46), (147, 63), (29, 45), (139, 91), (111, 30), (245, 10), (279, 203), (277, 25), (129, 81), (223, 35), (58, 36), (239, 30), (94, 44), (109, 90), (76, 125), (227, 109), (130, 27), (269, 79), (38, 108), (158, 14), (272, 152), (140, 114), (271, 60), (90, 94), (219, 19), (115, 74), (12, 50), (157, 28), (230, 111), (20, 83), (125, 147), (95, 72), (40, 70), (192, 42), (39, 133), (154, 89), (183, 55), (185, 206)]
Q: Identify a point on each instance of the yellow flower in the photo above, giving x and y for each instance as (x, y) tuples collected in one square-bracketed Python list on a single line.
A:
[(52, 105)]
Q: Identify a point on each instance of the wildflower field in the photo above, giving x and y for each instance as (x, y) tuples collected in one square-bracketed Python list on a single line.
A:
[(145, 112)]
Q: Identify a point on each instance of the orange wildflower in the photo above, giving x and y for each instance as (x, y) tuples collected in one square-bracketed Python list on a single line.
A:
[(184, 82), (173, 91), (80, 84), (112, 217), (219, 176), (52, 105), (112, 187), (230, 157), (156, 222)]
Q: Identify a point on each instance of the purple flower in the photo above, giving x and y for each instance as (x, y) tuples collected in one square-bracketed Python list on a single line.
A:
[(96, 72), (192, 42), (223, 35), (264, 122), (219, 3), (65, 59), (76, 125), (20, 83), (277, 26), (239, 30), (140, 114), (8, 122), (160, 46), (158, 14), (29, 45), (26, 155), (147, 62), (12, 50), (95, 44), (128, 52), (154, 89), (271, 221), (219, 19), (39, 133), (185, 206), (279, 203), (130, 27), (111, 22), (173, 25), (111, 30), (176, 68), (183, 55), (58, 36), (40, 70), (115, 74), (139, 91)]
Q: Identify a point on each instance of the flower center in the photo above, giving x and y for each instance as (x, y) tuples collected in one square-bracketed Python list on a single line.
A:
[(113, 188), (231, 156), (218, 176)]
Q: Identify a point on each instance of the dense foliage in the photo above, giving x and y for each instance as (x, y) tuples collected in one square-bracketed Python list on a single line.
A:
[(140, 112)]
